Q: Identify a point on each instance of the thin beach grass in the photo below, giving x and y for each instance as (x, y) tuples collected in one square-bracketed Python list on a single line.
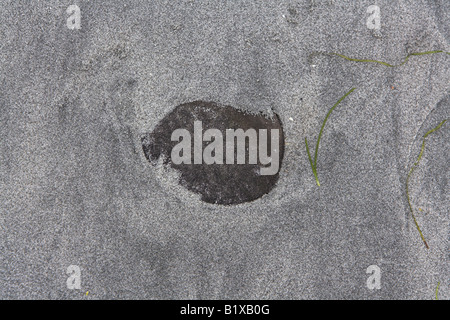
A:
[(314, 163), (422, 149)]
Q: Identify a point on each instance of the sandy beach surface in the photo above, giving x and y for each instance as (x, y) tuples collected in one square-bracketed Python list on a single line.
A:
[(77, 190)]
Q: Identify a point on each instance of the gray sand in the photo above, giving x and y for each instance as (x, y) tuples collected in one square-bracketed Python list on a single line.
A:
[(76, 188)]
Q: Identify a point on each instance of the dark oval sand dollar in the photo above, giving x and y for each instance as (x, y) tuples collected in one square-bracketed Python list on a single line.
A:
[(224, 184)]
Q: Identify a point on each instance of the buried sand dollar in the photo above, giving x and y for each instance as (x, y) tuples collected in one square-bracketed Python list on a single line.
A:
[(225, 155)]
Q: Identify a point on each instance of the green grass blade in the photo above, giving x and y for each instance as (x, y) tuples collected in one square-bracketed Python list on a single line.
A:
[(435, 129), (412, 211), (385, 63), (325, 121), (437, 290), (314, 163), (362, 60), (422, 149)]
